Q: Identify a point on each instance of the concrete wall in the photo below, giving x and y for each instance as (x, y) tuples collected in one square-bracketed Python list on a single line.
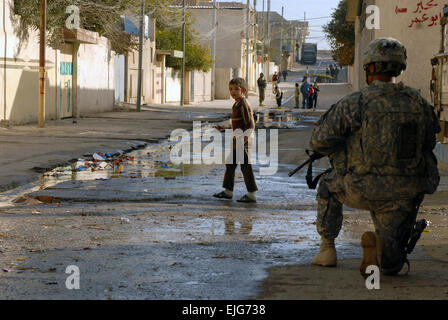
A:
[(120, 74), (223, 76), (422, 40), (172, 85), (19, 74), (229, 34), (230, 40), (148, 73), (93, 71), (202, 86), (96, 78), (159, 81)]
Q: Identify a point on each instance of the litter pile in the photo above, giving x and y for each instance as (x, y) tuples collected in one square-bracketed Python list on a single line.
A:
[(93, 162)]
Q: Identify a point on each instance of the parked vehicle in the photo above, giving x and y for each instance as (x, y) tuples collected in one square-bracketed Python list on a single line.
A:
[(309, 53)]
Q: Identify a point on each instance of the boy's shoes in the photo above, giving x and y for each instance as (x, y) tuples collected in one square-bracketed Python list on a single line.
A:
[(222, 195), (246, 199)]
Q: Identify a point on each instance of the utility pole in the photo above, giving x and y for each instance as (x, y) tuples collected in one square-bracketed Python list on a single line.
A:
[(182, 86), (281, 32), (268, 26), (263, 24), (42, 58), (247, 47), (264, 42), (140, 57), (214, 26)]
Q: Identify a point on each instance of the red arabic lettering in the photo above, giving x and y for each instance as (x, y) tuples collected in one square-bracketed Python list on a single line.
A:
[(429, 4), (433, 19), (421, 6), (400, 10)]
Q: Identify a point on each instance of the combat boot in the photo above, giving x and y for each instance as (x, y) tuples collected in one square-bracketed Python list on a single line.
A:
[(372, 246), (327, 254)]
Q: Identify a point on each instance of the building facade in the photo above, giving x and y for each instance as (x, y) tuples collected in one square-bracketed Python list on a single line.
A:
[(79, 75), (415, 23), (232, 25)]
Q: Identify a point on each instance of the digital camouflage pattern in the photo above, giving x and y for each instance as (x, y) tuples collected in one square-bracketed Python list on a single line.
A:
[(388, 51), (380, 143)]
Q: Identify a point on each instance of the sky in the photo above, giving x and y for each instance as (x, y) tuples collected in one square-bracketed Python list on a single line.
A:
[(294, 10)]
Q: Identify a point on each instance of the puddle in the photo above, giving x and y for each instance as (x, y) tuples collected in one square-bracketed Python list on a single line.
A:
[(283, 120)]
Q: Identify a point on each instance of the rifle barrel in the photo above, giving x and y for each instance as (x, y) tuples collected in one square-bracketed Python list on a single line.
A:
[(298, 168)]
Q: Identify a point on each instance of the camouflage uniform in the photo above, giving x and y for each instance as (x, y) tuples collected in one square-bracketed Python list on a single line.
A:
[(379, 141)]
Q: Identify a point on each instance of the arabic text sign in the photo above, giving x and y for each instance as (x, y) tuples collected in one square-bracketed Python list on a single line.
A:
[(425, 12)]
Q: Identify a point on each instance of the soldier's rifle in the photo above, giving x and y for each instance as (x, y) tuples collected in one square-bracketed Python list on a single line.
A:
[(312, 183)]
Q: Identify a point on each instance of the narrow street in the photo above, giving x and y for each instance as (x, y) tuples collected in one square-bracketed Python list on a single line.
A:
[(141, 227)]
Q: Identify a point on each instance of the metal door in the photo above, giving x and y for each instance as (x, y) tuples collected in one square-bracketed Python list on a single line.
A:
[(66, 81)]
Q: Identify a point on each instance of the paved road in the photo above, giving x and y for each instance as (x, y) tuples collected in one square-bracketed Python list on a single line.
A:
[(149, 229), (136, 232)]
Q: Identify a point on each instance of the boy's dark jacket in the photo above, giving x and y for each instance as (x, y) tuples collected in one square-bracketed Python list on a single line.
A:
[(242, 116)]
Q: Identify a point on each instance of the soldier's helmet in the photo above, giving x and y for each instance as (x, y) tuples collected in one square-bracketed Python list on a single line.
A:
[(388, 55)]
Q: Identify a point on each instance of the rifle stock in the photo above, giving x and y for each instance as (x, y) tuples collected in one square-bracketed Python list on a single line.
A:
[(313, 157), (299, 167)]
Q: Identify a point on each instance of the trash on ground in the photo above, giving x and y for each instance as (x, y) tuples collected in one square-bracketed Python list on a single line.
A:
[(96, 156), (124, 220)]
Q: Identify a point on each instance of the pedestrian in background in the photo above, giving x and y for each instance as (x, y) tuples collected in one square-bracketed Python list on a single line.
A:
[(297, 94), (332, 72), (274, 80), (314, 99), (278, 96), (310, 97), (261, 88), (284, 73), (304, 90)]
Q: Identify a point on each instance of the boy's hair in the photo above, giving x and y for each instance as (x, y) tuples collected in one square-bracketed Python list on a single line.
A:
[(240, 82), (297, 84)]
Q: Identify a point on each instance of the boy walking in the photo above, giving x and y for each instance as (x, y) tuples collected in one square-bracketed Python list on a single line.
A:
[(242, 118)]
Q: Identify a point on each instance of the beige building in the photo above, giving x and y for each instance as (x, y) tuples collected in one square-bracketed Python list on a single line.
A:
[(415, 23), (230, 42), (283, 35), (79, 79)]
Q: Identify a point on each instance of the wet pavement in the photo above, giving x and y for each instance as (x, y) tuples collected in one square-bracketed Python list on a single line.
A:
[(141, 227)]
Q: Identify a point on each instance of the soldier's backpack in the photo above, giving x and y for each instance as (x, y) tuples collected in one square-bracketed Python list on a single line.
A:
[(388, 149)]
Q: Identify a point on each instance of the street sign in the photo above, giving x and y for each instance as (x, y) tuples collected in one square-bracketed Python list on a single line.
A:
[(178, 54)]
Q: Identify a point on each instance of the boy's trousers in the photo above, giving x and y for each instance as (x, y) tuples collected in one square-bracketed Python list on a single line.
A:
[(246, 168)]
